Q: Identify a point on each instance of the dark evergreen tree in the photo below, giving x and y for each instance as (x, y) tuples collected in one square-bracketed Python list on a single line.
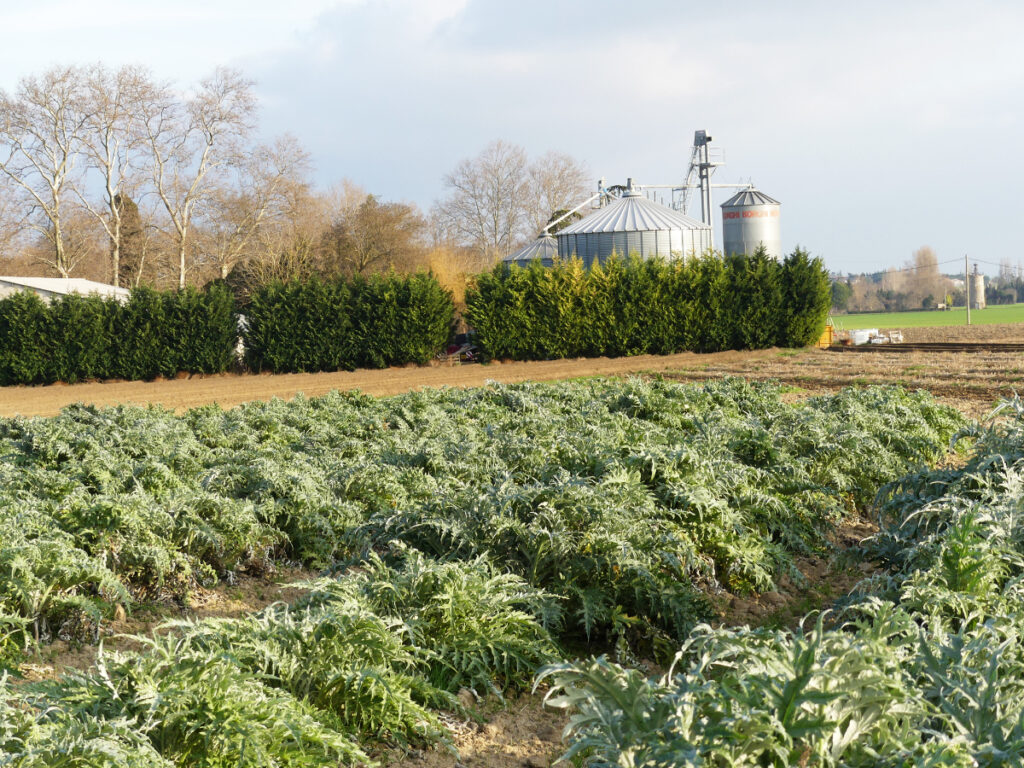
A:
[(760, 312), (133, 242), (319, 325), (807, 296)]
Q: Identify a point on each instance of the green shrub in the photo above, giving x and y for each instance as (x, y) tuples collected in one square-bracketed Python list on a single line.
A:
[(86, 337), (372, 322), (79, 338), (635, 306), (200, 330), (807, 297), (24, 339)]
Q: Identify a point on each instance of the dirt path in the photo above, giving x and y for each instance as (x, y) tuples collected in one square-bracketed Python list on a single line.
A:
[(970, 381), (230, 389)]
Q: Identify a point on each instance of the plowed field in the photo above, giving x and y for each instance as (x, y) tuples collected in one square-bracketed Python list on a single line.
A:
[(971, 381)]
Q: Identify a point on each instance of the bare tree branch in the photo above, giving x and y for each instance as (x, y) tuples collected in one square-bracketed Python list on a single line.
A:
[(497, 199), (40, 129), (192, 142)]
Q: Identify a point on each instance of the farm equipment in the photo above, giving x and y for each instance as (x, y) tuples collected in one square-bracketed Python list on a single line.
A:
[(862, 336), (461, 350)]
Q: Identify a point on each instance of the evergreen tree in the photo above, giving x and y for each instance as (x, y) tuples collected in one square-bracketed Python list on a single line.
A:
[(807, 296), (133, 243), (763, 312)]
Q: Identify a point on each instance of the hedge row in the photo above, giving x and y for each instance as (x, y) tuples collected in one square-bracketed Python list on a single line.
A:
[(634, 306), (625, 307), (347, 323), (152, 334)]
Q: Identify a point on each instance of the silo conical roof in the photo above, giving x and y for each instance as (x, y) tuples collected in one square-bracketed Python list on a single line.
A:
[(633, 213), (545, 247), (747, 197)]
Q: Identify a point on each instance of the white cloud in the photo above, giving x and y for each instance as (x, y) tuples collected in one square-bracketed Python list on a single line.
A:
[(180, 40), (880, 127)]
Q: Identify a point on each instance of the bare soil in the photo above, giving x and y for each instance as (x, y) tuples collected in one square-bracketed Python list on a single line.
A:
[(820, 581), (229, 390), (971, 380), (1010, 332), (519, 733)]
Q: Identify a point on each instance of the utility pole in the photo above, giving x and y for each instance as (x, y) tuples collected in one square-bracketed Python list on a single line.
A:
[(967, 289)]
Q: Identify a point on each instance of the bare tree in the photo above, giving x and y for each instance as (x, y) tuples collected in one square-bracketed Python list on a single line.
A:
[(40, 130), (498, 199), (82, 244), (258, 196), (378, 236), (113, 143), (558, 182), (343, 199), (11, 224), (487, 200), (290, 246), (192, 142)]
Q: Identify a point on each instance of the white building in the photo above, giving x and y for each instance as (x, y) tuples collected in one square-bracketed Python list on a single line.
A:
[(49, 287)]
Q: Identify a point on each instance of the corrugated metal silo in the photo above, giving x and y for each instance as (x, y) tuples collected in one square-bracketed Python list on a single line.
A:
[(750, 218), (633, 224), (544, 248)]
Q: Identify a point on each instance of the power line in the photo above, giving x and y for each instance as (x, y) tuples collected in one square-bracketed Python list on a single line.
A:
[(993, 264), (912, 269)]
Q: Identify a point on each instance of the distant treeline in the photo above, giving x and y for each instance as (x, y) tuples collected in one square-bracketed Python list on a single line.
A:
[(634, 306), (625, 307)]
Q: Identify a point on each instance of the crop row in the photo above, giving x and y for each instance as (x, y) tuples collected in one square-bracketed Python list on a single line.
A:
[(358, 662), (483, 528), (623, 499), (922, 666)]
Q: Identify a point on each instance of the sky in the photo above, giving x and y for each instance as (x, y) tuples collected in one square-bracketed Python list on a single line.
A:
[(880, 126)]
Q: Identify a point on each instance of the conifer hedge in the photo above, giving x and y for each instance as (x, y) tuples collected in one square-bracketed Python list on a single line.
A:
[(87, 337), (635, 306), (372, 322)]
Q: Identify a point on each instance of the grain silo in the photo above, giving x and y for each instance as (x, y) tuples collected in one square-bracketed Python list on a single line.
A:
[(749, 219), (544, 248), (633, 224)]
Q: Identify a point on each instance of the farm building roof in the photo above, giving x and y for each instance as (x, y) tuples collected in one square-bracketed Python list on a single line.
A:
[(62, 286), (633, 213), (542, 248), (747, 197)]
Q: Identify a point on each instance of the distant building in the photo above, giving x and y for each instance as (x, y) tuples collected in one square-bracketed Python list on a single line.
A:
[(47, 288)]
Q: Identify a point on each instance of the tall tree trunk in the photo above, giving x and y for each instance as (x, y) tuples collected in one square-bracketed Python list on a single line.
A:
[(59, 256), (181, 264), (115, 254)]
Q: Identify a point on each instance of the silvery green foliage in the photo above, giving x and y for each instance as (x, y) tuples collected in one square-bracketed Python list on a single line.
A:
[(475, 522), (924, 665), (53, 738), (369, 657), (624, 499)]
